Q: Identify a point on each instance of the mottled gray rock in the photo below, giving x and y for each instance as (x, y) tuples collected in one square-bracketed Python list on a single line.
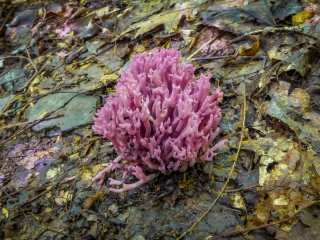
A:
[(79, 111), (12, 75)]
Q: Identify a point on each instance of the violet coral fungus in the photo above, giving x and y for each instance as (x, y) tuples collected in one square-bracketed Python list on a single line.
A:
[(160, 118)]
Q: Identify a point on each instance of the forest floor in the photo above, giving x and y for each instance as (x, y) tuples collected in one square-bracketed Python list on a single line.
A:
[(59, 60)]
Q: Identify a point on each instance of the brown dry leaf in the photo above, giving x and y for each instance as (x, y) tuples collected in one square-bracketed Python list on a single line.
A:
[(102, 11), (285, 169), (51, 150), (59, 11), (88, 203), (64, 196), (283, 163), (194, 41), (293, 110), (169, 20), (252, 16), (289, 51), (279, 203), (263, 210), (79, 12), (139, 13), (246, 50)]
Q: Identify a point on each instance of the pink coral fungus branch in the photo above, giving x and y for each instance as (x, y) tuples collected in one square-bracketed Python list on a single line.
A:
[(160, 118)]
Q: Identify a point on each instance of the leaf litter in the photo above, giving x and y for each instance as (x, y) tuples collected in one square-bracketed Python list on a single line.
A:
[(59, 61)]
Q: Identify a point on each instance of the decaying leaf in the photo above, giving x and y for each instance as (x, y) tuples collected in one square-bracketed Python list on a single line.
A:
[(169, 20), (60, 62)]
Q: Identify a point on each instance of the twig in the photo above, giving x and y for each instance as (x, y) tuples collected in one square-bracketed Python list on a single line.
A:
[(50, 188), (4, 22), (213, 58), (31, 200), (294, 29), (242, 189), (40, 233), (31, 79), (26, 48), (57, 231), (50, 229), (167, 36), (203, 46), (15, 156), (42, 24), (23, 123), (45, 94), (29, 59), (31, 125), (18, 191), (5, 192), (264, 226), (231, 171), (37, 121)]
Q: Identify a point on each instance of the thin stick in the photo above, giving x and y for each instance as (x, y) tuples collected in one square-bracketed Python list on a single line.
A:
[(234, 163), (4, 22), (242, 189), (31, 79), (27, 127), (253, 186), (26, 48), (29, 59), (202, 47), (39, 120), (24, 123), (213, 58), (293, 29), (57, 231)]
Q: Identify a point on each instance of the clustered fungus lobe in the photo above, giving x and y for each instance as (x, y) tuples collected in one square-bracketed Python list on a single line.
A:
[(160, 118)]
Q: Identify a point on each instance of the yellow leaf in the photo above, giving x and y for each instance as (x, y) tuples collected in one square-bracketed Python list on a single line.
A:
[(80, 12), (244, 50), (167, 45), (40, 12), (62, 45), (42, 115), (95, 197), (170, 21), (301, 17), (5, 211), (86, 66), (102, 11)]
